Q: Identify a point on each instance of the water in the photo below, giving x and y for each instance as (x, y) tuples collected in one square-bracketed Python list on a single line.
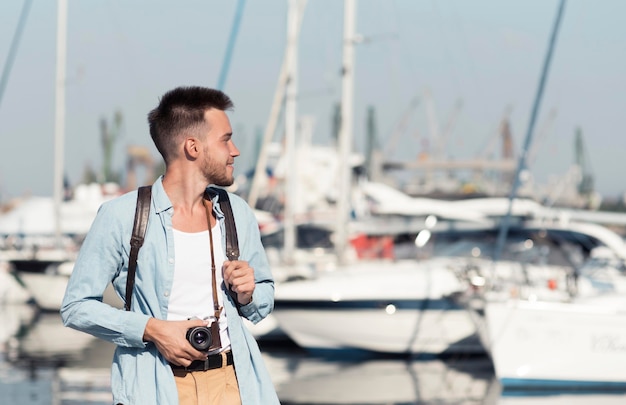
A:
[(42, 362)]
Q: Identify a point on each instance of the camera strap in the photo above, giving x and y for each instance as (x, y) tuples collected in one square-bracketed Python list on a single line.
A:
[(216, 341)]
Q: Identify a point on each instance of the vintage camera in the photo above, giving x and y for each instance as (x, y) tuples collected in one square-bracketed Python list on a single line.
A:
[(200, 338), (205, 338)]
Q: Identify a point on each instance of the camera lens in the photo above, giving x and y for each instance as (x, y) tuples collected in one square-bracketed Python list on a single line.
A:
[(199, 337)]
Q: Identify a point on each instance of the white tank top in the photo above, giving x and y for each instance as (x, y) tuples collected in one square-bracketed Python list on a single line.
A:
[(192, 288)]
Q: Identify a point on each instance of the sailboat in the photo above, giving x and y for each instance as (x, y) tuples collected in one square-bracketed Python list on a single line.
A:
[(544, 342), (412, 307), (370, 304), (578, 344), (37, 246)]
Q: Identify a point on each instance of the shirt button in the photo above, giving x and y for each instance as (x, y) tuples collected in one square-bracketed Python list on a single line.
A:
[(167, 293), (171, 260)]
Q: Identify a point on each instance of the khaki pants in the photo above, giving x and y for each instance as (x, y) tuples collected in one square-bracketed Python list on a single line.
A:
[(211, 387)]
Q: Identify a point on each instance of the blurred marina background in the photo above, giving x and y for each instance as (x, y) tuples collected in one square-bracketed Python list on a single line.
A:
[(438, 186), (482, 55)]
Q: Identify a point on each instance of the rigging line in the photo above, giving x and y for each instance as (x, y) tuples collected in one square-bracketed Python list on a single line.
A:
[(13, 49), (504, 227), (231, 44)]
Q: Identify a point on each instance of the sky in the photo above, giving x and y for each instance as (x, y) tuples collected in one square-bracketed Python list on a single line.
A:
[(485, 56)]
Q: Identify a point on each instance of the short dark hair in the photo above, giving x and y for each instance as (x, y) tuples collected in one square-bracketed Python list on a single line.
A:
[(182, 109)]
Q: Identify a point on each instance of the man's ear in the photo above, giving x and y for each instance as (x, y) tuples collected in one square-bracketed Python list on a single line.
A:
[(191, 147)]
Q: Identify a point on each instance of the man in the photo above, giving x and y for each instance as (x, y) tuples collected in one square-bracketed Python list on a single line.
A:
[(154, 362)]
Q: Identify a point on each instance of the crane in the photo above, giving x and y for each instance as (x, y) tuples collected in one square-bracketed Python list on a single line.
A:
[(401, 127), (585, 187)]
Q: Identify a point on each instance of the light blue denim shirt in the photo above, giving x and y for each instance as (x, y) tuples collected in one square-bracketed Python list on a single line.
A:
[(139, 373)]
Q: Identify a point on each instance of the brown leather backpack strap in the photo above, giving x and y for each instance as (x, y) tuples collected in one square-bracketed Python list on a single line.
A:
[(142, 212), (232, 244)]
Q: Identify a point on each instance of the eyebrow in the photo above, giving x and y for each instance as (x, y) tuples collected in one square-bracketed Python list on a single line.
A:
[(226, 135)]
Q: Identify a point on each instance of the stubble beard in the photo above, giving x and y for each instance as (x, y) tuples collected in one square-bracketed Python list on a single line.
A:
[(217, 174)]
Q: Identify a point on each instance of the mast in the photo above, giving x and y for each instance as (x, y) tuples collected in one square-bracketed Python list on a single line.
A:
[(59, 116), (346, 131), (522, 164), (221, 81), (279, 94), (8, 64), (291, 114)]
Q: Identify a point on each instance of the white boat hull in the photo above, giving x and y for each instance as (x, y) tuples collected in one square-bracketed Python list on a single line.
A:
[(12, 292), (267, 329), (48, 288), (560, 345), (390, 307), (413, 331)]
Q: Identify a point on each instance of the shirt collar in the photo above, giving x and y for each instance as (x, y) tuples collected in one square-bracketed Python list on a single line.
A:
[(162, 202)]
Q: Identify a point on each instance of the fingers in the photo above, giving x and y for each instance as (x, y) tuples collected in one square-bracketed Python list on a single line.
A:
[(170, 339), (186, 357), (238, 275), (239, 278)]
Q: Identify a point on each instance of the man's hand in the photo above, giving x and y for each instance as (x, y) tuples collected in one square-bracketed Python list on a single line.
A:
[(169, 337), (239, 277)]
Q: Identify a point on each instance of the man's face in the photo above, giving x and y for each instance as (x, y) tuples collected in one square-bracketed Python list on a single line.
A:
[(219, 149)]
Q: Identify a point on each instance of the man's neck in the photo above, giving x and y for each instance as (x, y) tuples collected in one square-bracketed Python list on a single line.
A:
[(186, 195)]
